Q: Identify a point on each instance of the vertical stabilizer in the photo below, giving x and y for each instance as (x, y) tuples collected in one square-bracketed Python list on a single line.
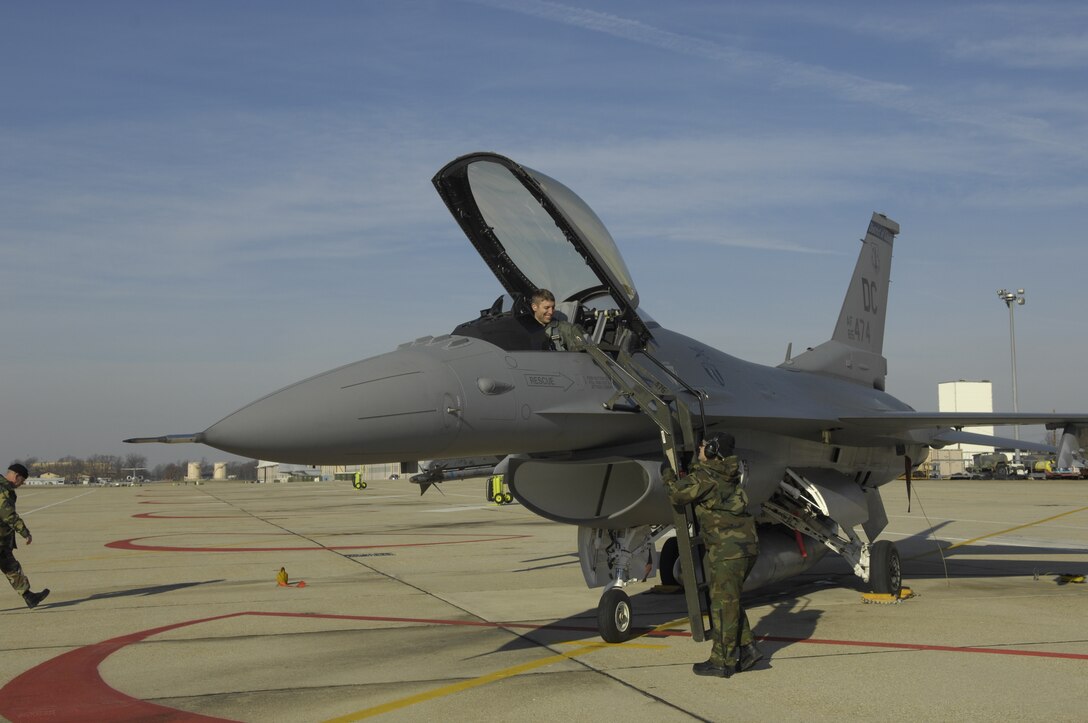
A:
[(855, 350), (861, 321), (1068, 447)]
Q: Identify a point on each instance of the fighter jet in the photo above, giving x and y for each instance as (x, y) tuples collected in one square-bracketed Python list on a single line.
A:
[(818, 433)]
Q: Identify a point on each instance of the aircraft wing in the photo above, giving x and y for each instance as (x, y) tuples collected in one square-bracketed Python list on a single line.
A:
[(902, 421), (954, 436), (936, 429), (947, 428)]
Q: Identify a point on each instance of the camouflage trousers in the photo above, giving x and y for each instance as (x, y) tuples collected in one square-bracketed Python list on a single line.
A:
[(13, 571), (728, 621)]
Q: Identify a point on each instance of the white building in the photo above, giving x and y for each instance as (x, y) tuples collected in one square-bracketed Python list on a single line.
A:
[(963, 396)]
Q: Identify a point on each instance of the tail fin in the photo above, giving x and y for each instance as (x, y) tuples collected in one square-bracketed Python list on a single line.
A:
[(861, 321), (1068, 447), (855, 350)]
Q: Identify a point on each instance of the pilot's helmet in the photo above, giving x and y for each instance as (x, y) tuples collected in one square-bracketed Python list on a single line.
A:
[(719, 445)]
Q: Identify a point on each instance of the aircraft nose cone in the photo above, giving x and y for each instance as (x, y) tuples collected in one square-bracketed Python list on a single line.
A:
[(398, 406)]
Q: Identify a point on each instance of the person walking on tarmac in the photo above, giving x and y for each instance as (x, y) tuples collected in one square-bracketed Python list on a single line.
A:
[(731, 550), (10, 523)]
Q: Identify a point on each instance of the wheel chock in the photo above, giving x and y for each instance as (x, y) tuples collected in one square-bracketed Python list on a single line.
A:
[(877, 598)]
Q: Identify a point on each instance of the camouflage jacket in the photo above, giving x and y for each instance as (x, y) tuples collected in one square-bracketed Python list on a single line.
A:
[(721, 506), (10, 522)]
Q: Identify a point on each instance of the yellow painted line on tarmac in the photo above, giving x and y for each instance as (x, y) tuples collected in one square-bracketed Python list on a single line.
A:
[(1006, 531), (467, 684), (581, 648), (642, 646)]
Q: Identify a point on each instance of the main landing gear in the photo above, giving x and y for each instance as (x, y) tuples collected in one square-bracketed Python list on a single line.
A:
[(668, 565), (885, 568)]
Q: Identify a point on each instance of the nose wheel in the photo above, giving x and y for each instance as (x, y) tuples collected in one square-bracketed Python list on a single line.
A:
[(614, 616)]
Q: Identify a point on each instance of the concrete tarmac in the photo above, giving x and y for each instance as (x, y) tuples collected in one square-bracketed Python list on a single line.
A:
[(165, 606)]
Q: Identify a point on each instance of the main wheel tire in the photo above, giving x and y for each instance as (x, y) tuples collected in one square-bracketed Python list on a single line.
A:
[(668, 564), (885, 569), (614, 616)]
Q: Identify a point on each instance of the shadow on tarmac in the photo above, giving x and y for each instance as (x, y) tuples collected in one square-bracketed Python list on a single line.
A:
[(134, 592), (790, 619)]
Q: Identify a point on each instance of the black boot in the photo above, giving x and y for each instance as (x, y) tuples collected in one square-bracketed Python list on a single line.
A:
[(33, 598), (749, 656), (713, 669)]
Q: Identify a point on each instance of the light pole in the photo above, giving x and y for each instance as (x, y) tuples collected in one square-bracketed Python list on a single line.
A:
[(1011, 300)]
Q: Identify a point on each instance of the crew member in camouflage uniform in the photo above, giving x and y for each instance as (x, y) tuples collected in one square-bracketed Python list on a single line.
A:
[(10, 523), (731, 550)]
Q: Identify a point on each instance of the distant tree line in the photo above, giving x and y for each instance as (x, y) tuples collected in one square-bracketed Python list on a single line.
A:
[(112, 467)]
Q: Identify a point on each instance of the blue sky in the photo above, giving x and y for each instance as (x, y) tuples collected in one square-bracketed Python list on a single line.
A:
[(205, 201)]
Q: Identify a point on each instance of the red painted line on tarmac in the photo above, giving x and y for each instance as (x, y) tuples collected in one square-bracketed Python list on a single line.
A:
[(157, 516), (133, 544), (32, 696)]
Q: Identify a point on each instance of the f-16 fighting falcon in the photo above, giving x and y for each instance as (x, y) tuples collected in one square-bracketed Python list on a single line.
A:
[(583, 434)]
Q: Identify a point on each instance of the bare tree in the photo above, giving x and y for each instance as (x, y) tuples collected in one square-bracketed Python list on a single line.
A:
[(135, 465)]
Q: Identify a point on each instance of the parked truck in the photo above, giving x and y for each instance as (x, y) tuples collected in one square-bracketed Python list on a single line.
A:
[(994, 465)]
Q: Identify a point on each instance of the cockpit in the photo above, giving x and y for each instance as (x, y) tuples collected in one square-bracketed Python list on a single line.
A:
[(510, 325)]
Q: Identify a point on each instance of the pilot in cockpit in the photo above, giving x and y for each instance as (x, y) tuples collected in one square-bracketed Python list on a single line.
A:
[(533, 324), (558, 334)]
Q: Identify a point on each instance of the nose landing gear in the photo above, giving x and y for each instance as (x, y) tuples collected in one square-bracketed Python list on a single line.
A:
[(614, 616)]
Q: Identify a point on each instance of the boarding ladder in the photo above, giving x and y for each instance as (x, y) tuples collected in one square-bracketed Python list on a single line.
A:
[(673, 419)]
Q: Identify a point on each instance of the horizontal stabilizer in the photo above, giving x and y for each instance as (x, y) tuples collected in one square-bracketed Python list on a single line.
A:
[(886, 422), (197, 438), (954, 436)]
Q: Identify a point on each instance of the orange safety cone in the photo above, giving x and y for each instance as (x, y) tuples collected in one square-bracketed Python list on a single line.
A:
[(302, 583)]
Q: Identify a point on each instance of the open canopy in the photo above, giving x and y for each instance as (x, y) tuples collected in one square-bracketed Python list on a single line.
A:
[(533, 232)]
